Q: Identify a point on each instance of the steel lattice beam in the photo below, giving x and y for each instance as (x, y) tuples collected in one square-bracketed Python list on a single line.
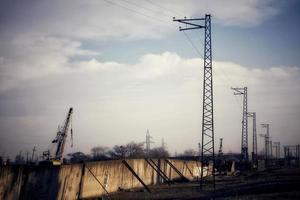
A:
[(244, 142), (267, 141), (254, 139), (207, 150)]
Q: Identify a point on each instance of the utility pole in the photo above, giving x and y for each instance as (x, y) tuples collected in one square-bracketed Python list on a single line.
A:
[(148, 142), (271, 149), (244, 143), (287, 156), (277, 151), (267, 138), (207, 141), (199, 148), (32, 156), (27, 153), (163, 144), (298, 155), (220, 153), (292, 155), (254, 139), (20, 158)]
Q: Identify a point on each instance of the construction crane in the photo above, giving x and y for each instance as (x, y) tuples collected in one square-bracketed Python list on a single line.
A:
[(60, 141), (61, 136)]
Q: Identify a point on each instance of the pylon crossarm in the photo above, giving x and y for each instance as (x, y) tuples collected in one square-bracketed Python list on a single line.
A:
[(185, 29), (185, 19)]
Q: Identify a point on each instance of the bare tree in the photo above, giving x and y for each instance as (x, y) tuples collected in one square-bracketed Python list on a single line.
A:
[(118, 152), (189, 152), (135, 150), (130, 150), (100, 153), (78, 157), (159, 152), (19, 159)]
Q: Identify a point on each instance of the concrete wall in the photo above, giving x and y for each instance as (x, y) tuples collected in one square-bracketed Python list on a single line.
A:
[(10, 182), (73, 181)]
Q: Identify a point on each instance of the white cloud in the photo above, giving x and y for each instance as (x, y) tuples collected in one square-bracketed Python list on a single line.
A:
[(126, 19), (38, 57), (42, 38), (240, 13), (115, 103), (41, 73)]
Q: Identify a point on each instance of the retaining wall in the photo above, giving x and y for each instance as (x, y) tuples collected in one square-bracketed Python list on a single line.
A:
[(82, 180)]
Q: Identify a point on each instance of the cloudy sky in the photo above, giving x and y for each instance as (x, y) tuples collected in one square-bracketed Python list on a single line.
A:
[(125, 68)]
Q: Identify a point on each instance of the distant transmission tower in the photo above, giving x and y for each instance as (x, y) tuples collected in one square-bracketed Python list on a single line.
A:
[(267, 139), (199, 147), (277, 149), (244, 143), (148, 142), (271, 149), (163, 144), (254, 139), (207, 150)]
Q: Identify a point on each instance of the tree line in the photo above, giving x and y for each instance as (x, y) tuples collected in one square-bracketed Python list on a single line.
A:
[(129, 150)]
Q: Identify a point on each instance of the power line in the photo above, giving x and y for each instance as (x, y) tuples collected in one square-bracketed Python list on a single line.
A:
[(145, 8), (164, 8), (191, 42), (230, 82), (135, 11), (226, 79)]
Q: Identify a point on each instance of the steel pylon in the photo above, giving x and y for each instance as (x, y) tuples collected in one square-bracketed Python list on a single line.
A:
[(207, 136), (244, 142), (254, 139)]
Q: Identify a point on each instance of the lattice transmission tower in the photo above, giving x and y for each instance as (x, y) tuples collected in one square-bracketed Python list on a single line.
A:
[(148, 142), (207, 150), (244, 142), (254, 139), (277, 149), (267, 143)]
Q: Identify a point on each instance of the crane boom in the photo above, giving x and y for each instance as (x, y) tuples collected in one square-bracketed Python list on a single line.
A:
[(61, 137)]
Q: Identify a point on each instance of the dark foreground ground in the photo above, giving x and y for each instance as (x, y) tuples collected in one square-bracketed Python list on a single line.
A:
[(270, 184)]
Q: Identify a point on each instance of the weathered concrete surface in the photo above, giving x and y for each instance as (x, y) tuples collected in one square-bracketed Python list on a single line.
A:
[(10, 182), (69, 180), (40, 183), (114, 175), (82, 180)]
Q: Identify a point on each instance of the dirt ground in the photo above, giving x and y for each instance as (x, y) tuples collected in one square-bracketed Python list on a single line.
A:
[(270, 184)]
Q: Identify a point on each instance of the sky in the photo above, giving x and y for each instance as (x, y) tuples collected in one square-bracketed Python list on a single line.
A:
[(125, 67)]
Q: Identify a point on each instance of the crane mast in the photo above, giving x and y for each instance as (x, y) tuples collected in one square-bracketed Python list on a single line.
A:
[(61, 137)]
